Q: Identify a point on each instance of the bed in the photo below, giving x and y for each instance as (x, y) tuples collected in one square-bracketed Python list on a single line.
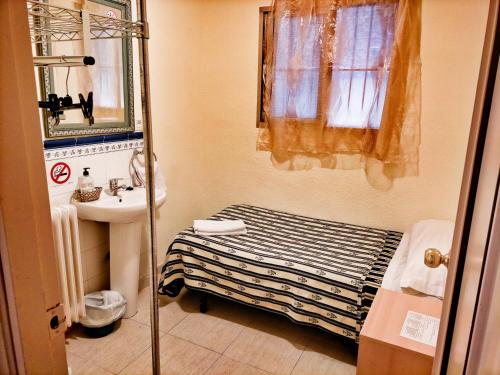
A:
[(315, 272)]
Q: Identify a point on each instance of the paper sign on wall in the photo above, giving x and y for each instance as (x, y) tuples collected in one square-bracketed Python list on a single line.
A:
[(420, 327)]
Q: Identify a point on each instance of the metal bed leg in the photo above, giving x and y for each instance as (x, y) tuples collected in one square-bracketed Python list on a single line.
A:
[(203, 303)]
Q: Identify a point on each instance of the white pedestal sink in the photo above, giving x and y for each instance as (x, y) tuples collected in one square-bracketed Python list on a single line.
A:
[(125, 214)]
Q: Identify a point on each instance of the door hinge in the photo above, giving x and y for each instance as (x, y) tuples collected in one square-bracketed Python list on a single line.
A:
[(56, 320)]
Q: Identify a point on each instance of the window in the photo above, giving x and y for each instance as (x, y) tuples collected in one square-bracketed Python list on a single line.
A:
[(362, 56), (342, 87), (358, 72)]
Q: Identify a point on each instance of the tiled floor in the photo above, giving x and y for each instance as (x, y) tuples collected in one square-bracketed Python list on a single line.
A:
[(229, 339)]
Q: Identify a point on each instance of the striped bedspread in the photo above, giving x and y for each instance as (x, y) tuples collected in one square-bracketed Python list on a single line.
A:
[(315, 272)]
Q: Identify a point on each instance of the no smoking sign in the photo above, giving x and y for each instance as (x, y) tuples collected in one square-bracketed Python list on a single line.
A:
[(60, 173)]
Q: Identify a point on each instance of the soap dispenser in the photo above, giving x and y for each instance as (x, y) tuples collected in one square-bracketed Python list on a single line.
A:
[(85, 182)]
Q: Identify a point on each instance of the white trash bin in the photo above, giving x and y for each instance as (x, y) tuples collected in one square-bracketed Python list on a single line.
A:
[(103, 309)]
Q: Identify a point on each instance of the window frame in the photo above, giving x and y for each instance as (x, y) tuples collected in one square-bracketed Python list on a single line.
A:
[(263, 13), (326, 69)]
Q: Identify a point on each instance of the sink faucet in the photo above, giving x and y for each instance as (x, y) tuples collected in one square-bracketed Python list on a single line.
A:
[(114, 187)]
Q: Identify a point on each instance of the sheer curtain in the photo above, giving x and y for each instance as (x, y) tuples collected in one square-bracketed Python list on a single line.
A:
[(362, 56), (106, 78), (298, 97), (342, 86)]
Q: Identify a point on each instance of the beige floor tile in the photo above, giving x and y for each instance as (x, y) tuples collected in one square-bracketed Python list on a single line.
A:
[(171, 310), (271, 343), (217, 328), (326, 355), (177, 357), (254, 342), (115, 351), (227, 366), (81, 366)]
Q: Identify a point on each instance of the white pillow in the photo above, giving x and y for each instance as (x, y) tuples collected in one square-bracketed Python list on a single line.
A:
[(392, 276), (417, 276)]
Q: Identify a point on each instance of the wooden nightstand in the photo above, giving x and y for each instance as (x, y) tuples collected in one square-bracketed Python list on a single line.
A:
[(381, 348)]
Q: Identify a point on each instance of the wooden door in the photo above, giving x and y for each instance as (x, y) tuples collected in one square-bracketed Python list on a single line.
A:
[(26, 247)]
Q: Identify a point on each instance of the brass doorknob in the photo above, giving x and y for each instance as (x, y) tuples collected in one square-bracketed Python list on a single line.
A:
[(433, 258)]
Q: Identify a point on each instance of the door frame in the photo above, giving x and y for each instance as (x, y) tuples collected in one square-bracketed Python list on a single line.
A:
[(10, 341), (474, 215)]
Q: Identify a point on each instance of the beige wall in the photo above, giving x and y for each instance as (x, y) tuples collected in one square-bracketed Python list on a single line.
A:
[(204, 83)]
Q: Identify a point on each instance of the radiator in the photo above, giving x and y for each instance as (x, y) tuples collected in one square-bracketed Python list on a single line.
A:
[(69, 263)]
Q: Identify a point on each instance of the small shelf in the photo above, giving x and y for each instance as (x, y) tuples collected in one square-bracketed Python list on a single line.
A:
[(50, 23), (106, 27)]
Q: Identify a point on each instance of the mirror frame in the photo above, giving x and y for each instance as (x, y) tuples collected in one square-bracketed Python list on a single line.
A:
[(81, 129)]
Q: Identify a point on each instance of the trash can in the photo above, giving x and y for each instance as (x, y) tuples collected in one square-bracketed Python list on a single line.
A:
[(103, 309)]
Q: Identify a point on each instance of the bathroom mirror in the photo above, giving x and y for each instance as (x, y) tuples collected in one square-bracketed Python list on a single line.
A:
[(110, 79)]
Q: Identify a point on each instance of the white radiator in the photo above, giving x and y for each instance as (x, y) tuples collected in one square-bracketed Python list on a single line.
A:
[(69, 263)]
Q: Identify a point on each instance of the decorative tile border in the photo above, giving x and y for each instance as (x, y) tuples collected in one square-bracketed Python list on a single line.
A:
[(72, 142), (92, 149)]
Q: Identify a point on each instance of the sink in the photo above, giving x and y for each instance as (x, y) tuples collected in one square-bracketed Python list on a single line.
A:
[(126, 214), (128, 207)]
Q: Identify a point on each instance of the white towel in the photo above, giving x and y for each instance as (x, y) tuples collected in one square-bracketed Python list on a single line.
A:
[(219, 228)]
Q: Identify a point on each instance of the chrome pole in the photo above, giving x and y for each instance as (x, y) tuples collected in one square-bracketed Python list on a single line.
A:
[(150, 183)]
